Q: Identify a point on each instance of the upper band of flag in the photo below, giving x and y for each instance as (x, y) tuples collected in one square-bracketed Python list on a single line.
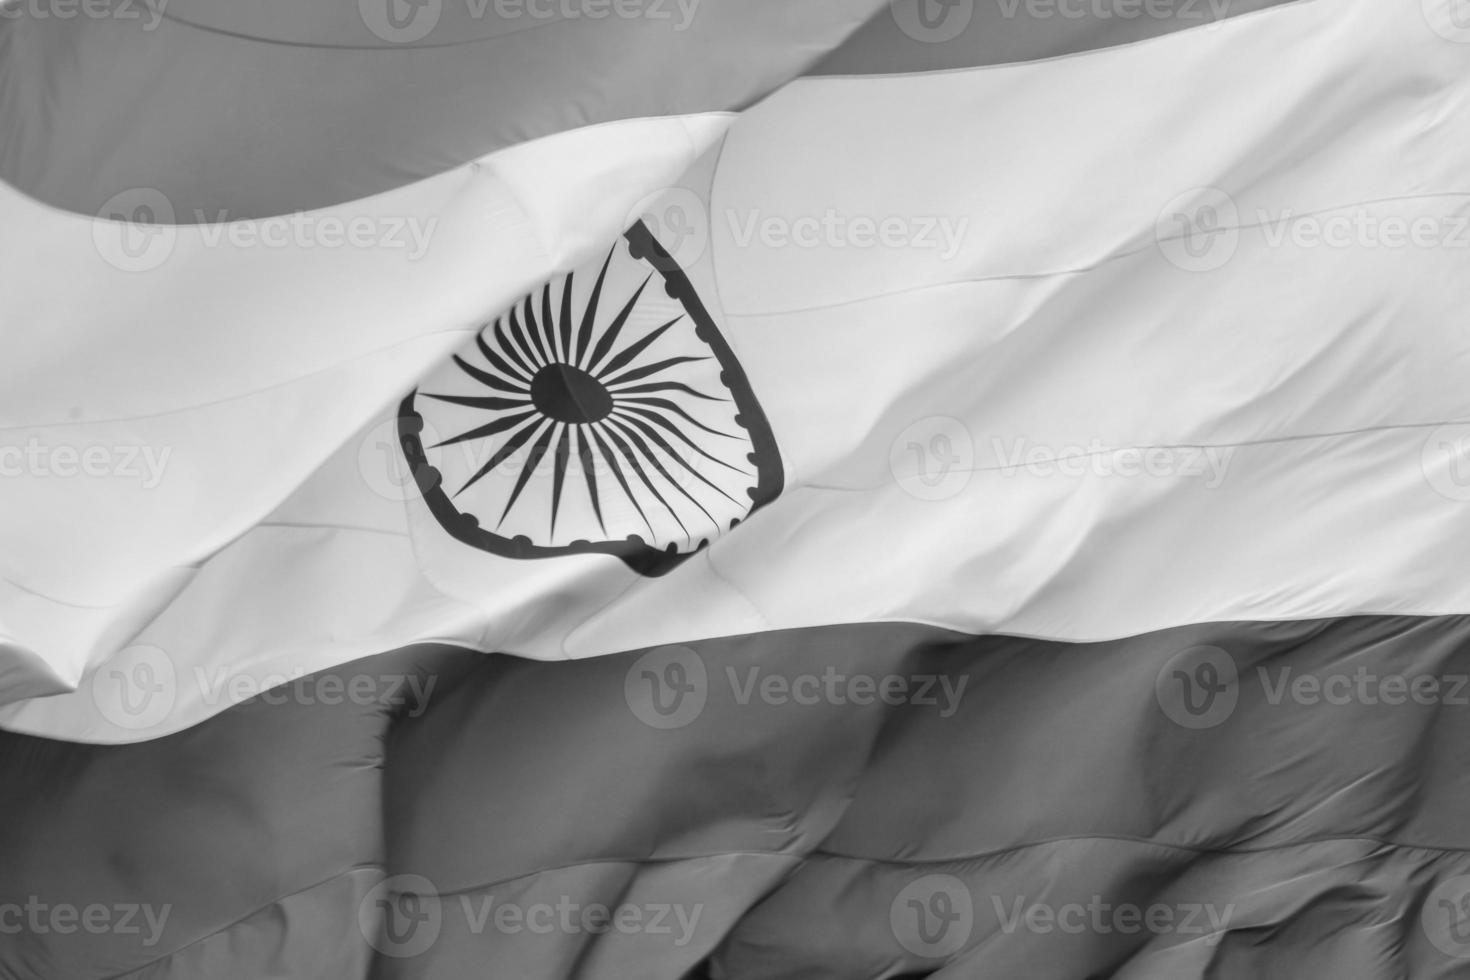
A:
[(407, 89), (228, 127), (941, 35)]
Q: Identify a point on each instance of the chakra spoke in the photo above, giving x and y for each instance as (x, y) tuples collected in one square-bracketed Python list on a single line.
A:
[(662, 444), (521, 335), (548, 324), (492, 429), (623, 412), (566, 320), (589, 316), (503, 453), (643, 372), (559, 473), (610, 335), (534, 329), (635, 349), (617, 470), (584, 451), (648, 453), (500, 365), (628, 454), (475, 401), (669, 406), (482, 376), (532, 460), (665, 386)]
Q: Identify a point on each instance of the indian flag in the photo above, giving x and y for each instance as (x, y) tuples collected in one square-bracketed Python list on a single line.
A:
[(734, 490)]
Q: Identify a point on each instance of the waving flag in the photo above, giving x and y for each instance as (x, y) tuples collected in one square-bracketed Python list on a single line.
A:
[(985, 508)]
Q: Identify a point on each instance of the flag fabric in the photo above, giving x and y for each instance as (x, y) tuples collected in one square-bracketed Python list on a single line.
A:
[(233, 113), (982, 509)]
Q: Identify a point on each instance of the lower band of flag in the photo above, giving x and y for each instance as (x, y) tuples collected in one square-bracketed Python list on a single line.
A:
[(858, 801)]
